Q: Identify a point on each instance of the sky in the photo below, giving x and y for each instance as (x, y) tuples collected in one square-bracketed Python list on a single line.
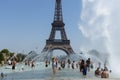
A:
[(26, 24)]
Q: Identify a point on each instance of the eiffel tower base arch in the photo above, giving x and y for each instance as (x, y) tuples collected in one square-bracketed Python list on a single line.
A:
[(63, 45)]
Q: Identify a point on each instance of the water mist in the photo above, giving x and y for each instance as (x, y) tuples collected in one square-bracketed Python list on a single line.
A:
[(100, 25)]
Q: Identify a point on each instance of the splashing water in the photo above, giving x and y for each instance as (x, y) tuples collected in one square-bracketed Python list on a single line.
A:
[(100, 25)]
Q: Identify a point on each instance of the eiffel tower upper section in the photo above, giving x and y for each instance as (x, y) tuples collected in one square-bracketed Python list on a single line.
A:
[(58, 25), (58, 12)]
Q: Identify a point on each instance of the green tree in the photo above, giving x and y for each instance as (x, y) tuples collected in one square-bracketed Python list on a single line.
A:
[(5, 54), (1, 57), (5, 51), (11, 54), (20, 57)]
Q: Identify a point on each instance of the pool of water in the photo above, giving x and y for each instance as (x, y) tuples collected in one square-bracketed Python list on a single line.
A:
[(40, 72)]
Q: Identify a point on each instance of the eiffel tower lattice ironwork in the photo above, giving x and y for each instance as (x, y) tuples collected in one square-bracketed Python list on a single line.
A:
[(58, 25)]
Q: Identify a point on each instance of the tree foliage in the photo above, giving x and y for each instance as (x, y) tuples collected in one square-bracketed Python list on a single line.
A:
[(1, 57), (20, 57), (5, 51), (5, 54)]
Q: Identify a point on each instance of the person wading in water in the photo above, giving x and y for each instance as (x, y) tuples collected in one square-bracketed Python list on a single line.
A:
[(54, 65)]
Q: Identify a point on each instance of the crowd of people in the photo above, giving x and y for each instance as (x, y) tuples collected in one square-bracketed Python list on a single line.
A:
[(30, 63), (27, 63), (83, 66), (104, 73)]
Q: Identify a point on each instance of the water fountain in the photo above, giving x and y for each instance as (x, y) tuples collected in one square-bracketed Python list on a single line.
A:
[(100, 24), (30, 56)]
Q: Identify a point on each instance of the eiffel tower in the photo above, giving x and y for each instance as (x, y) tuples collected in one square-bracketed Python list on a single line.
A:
[(58, 25)]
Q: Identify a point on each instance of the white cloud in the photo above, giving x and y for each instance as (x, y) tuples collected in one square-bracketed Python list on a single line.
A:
[(100, 24)]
